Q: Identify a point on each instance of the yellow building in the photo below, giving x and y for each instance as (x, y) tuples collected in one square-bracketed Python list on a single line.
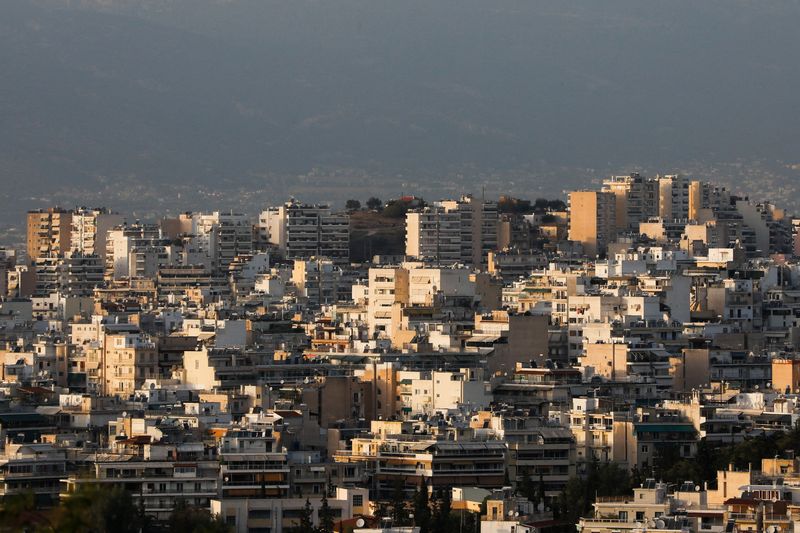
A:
[(49, 232), (592, 220), (786, 375), (127, 360)]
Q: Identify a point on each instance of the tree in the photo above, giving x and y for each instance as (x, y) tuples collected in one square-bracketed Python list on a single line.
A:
[(185, 517), (97, 510), (526, 488), (398, 504), (374, 203), (352, 205), (19, 512), (326, 520), (508, 204), (306, 524), (441, 517), (395, 209), (422, 509)]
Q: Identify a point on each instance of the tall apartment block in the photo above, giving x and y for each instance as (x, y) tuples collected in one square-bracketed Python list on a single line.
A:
[(435, 234), (222, 237), (49, 232), (674, 195), (302, 231), (453, 231), (90, 228), (592, 220), (636, 200), (135, 250)]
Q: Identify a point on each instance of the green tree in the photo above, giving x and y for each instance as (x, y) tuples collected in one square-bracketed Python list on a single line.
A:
[(422, 509), (95, 510), (442, 522), (19, 512), (326, 519), (374, 203), (185, 517), (352, 205), (306, 524), (526, 487), (395, 209), (398, 504)]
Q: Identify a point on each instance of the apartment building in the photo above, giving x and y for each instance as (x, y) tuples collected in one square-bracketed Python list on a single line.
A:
[(90, 228), (302, 231), (156, 475), (320, 281), (73, 274), (32, 468), (434, 234), (255, 514), (592, 220), (252, 465), (542, 454), (49, 232), (128, 358), (453, 231), (135, 250), (636, 200), (407, 459)]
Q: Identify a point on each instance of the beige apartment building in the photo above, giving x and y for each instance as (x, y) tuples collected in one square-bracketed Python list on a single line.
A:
[(302, 231), (89, 228), (592, 220), (453, 231), (49, 232), (127, 360), (636, 199)]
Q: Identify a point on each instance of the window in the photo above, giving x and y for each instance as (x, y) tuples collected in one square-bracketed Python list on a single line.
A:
[(358, 500)]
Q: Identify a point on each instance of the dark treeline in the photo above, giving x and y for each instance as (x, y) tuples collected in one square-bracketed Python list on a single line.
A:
[(101, 509)]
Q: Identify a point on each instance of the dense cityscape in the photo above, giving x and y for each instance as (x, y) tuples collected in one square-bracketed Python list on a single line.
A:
[(622, 359)]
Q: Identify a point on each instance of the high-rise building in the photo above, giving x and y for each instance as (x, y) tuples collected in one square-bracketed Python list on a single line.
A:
[(636, 200), (453, 231), (302, 231), (49, 232), (435, 234), (72, 275), (592, 220), (90, 228), (676, 195), (479, 221), (131, 248)]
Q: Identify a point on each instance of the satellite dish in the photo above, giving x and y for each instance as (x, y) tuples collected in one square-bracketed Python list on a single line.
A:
[(697, 488), (660, 524), (771, 529), (360, 522)]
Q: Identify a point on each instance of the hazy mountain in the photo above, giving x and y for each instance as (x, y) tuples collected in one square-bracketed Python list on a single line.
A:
[(216, 92)]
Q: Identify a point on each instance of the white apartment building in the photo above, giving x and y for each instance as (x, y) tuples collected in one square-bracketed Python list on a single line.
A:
[(453, 231), (430, 392), (302, 231), (90, 228), (129, 249)]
